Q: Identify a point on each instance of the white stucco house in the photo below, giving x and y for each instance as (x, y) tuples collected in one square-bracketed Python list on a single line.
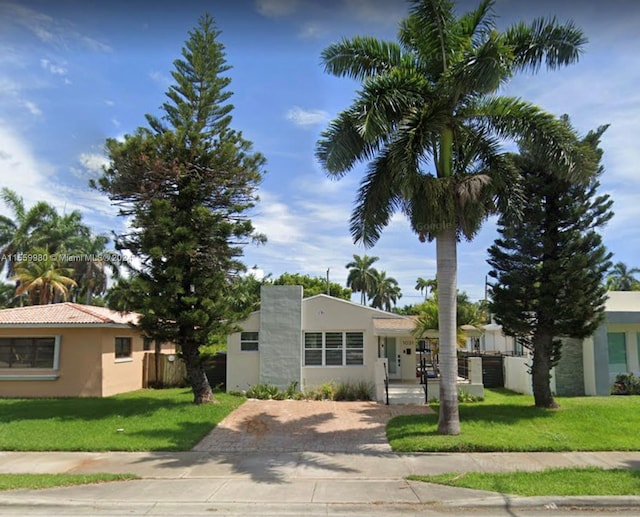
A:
[(320, 339), (586, 367)]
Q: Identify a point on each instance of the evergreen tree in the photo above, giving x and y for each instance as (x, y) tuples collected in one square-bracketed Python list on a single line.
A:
[(313, 285), (549, 265), (185, 183)]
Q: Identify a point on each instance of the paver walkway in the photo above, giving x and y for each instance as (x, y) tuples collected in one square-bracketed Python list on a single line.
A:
[(302, 425)]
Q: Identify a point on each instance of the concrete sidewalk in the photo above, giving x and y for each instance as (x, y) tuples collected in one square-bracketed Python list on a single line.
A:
[(294, 483)]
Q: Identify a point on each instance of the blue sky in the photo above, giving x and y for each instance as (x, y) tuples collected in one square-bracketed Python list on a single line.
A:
[(73, 73)]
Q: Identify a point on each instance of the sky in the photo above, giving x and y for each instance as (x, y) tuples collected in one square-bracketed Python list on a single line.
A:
[(74, 73)]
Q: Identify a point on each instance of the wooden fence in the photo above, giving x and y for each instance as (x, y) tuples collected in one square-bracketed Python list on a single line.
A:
[(169, 370)]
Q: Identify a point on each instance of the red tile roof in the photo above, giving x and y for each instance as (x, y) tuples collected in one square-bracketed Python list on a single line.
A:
[(67, 313)]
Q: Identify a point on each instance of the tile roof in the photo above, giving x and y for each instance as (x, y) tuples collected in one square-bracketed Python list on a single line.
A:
[(394, 324), (67, 313)]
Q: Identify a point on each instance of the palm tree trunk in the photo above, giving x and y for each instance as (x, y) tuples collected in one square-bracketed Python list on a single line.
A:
[(446, 244)]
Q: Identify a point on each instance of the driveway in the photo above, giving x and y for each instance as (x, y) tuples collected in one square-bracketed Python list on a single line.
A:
[(304, 425)]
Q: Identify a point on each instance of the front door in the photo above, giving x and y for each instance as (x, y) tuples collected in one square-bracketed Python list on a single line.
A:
[(393, 357)]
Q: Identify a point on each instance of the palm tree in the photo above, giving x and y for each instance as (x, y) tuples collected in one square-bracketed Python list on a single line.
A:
[(429, 123), (20, 234), (93, 266), (386, 291), (425, 287), (621, 278), (362, 276), (42, 278)]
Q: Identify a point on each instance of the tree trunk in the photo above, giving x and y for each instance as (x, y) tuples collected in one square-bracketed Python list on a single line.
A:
[(200, 386), (541, 370), (449, 419)]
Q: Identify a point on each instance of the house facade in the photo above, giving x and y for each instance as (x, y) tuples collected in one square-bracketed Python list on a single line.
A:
[(69, 350), (321, 339), (589, 366), (316, 340)]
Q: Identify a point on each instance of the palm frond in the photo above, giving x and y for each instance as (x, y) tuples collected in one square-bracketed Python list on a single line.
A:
[(427, 31), (341, 146), (544, 41), (360, 57), (476, 24), (378, 198)]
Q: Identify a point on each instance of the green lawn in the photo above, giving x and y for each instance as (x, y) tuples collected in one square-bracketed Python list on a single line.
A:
[(560, 482), (146, 420), (507, 421), (38, 481)]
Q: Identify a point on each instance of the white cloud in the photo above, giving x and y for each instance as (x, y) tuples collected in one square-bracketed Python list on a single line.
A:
[(55, 69), (33, 108), (54, 32), (163, 80), (93, 162), (276, 8), (312, 30), (302, 117), (379, 12)]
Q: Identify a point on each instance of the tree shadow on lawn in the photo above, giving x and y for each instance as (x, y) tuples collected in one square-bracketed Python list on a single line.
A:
[(490, 414)]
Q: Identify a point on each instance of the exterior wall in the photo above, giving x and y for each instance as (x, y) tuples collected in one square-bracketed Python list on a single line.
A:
[(280, 335), (589, 367), (517, 377), (324, 314), (496, 341), (79, 373), (243, 368), (123, 374), (569, 372)]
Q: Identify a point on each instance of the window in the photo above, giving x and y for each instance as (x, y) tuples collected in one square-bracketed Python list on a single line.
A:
[(333, 348), (617, 353), (36, 352), (249, 341), (123, 347)]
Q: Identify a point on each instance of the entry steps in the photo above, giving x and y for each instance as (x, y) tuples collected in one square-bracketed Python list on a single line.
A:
[(409, 393)]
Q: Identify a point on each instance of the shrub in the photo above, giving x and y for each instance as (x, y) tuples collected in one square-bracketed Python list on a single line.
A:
[(626, 384), (263, 392), (360, 390)]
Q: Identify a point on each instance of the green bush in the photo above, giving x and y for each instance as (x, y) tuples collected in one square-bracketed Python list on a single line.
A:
[(626, 384), (360, 390)]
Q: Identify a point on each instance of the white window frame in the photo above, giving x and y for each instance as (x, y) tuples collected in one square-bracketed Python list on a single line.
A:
[(246, 341), (56, 354), (328, 348)]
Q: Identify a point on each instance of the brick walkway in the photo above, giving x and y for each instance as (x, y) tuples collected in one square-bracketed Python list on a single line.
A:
[(313, 426)]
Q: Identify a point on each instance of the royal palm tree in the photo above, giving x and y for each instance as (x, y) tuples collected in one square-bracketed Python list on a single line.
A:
[(424, 286), (22, 232), (361, 277), (43, 278), (386, 291), (429, 123), (621, 278)]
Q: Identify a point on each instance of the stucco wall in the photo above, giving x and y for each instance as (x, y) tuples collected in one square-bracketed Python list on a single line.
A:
[(518, 379), (120, 375), (243, 368), (280, 334), (79, 373)]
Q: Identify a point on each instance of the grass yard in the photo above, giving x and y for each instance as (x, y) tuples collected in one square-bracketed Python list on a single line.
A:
[(560, 482), (507, 421), (146, 420), (38, 481)]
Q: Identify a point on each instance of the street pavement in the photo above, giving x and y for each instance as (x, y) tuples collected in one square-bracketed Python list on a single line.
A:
[(298, 483)]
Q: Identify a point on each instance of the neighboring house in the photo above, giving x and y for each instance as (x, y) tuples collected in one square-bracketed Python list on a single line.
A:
[(69, 350), (317, 340), (589, 366)]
